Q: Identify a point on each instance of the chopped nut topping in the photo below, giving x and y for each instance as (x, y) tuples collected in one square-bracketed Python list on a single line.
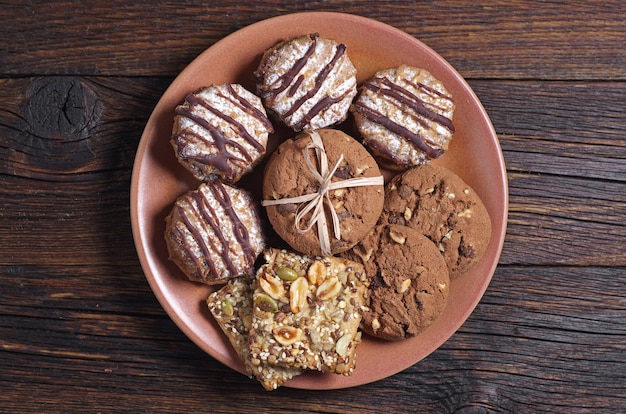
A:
[(375, 324), (272, 285), (287, 335), (329, 289), (408, 213), (316, 273), (398, 238), (298, 294), (342, 344), (404, 286)]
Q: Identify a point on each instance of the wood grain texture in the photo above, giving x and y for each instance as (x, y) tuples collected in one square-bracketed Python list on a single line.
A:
[(114, 345), (484, 39), (80, 329)]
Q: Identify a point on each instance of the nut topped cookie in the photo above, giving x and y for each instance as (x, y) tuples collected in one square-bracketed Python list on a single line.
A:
[(214, 233), (306, 312), (220, 132), (308, 82), (404, 115), (231, 306), (409, 282), (439, 204), (322, 192)]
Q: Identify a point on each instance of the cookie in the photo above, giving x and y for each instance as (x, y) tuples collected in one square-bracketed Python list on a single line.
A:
[(307, 82), (231, 306), (409, 281), (214, 233), (307, 311), (356, 208), (404, 115), (220, 132), (439, 204)]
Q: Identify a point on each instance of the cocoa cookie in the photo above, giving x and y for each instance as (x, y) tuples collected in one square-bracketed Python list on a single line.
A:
[(439, 204), (356, 208), (404, 115), (214, 233), (307, 82), (409, 281), (220, 132)]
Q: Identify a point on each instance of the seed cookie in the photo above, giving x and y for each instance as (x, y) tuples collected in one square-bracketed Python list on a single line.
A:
[(439, 204), (409, 281), (306, 312), (307, 82), (231, 306), (404, 115), (220, 132), (214, 233)]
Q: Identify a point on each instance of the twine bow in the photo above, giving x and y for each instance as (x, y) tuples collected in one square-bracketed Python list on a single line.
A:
[(315, 201)]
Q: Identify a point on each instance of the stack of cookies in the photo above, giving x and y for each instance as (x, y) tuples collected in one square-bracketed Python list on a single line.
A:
[(351, 252)]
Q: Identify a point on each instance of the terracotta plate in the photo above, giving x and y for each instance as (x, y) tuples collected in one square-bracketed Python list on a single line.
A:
[(158, 180)]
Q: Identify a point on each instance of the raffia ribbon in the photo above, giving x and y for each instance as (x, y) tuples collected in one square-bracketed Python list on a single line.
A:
[(315, 201)]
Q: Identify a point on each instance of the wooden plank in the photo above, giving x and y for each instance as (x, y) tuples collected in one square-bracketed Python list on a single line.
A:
[(511, 40), (566, 172), (113, 353)]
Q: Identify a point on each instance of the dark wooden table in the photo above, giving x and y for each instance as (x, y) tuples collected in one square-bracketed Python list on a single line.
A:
[(80, 329)]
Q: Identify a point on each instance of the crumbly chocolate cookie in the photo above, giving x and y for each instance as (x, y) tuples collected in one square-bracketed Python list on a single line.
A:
[(409, 281), (439, 204), (306, 312), (404, 115), (287, 175), (220, 132), (214, 233), (308, 82), (231, 306)]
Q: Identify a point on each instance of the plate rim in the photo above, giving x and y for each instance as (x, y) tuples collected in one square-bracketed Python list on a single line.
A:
[(135, 199)]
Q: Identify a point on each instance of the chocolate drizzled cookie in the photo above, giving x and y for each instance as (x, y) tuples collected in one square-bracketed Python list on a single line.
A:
[(409, 282), (404, 115), (308, 82), (220, 132), (214, 233)]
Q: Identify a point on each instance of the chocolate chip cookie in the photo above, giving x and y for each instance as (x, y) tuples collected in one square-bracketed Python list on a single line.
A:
[(409, 281), (439, 204)]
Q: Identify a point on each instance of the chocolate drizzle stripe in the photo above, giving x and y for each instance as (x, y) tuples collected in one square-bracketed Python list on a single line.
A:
[(319, 80), (428, 90), (196, 100), (418, 119), (187, 247), (294, 87), (286, 79), (250, 109), (207, 214), (206, 255), (407, 98), (221, 159), (323, 104), (379, 118), (240, 230)]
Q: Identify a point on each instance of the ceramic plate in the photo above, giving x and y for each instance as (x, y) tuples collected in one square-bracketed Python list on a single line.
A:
[(158, 180)]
